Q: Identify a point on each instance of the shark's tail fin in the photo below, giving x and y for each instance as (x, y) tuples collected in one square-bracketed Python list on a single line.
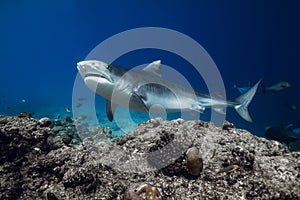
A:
[(243, 102)]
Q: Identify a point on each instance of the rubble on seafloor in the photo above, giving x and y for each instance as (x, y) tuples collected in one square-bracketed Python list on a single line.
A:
[(159, 160)]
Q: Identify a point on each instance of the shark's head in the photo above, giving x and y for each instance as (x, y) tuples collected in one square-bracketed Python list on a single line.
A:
[(97, 76)]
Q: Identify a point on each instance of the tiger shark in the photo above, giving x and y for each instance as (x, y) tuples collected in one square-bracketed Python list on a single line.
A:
[(143, 90)]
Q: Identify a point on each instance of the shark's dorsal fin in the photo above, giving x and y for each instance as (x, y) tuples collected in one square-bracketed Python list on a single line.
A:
[(154, 67), (110, 110)]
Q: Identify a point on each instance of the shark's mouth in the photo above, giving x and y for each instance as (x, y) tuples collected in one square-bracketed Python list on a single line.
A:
[(98, 75), (95, 75)]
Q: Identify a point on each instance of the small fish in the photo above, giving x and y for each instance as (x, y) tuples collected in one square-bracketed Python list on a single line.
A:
[(292, 106), (242, 90), (295, 128), (68, 110), (297, 131), (230, 168), (276, 87), (23, 100)]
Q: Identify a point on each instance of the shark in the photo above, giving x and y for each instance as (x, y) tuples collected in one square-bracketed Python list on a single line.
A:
[(144, 90)]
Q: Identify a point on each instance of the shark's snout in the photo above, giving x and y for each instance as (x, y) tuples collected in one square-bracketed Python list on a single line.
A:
[(79, 64), (80, 67), (88, 67), (92, 65)]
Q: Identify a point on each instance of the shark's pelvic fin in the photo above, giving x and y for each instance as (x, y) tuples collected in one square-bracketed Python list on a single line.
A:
[(244, 101), (154, 67), (220, 110), (110, 110)]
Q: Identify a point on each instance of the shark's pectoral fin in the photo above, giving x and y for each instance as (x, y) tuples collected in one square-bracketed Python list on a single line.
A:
[(110, 110), (138, 99), (195, 110)]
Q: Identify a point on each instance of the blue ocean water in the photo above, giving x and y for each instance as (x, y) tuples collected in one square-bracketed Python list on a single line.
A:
[(41, 42)]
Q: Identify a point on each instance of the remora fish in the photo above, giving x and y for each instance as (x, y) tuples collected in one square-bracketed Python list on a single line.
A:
[(141, 90)]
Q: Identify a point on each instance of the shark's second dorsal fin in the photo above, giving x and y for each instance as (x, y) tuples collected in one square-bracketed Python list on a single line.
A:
[(154, 67)]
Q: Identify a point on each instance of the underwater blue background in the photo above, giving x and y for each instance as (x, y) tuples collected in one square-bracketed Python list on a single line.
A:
[(41, 42)]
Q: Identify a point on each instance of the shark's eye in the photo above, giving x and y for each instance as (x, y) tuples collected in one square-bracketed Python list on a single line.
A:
[(108, 67)]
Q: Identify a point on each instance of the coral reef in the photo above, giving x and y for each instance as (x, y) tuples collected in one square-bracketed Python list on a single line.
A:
[(153, 161)]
